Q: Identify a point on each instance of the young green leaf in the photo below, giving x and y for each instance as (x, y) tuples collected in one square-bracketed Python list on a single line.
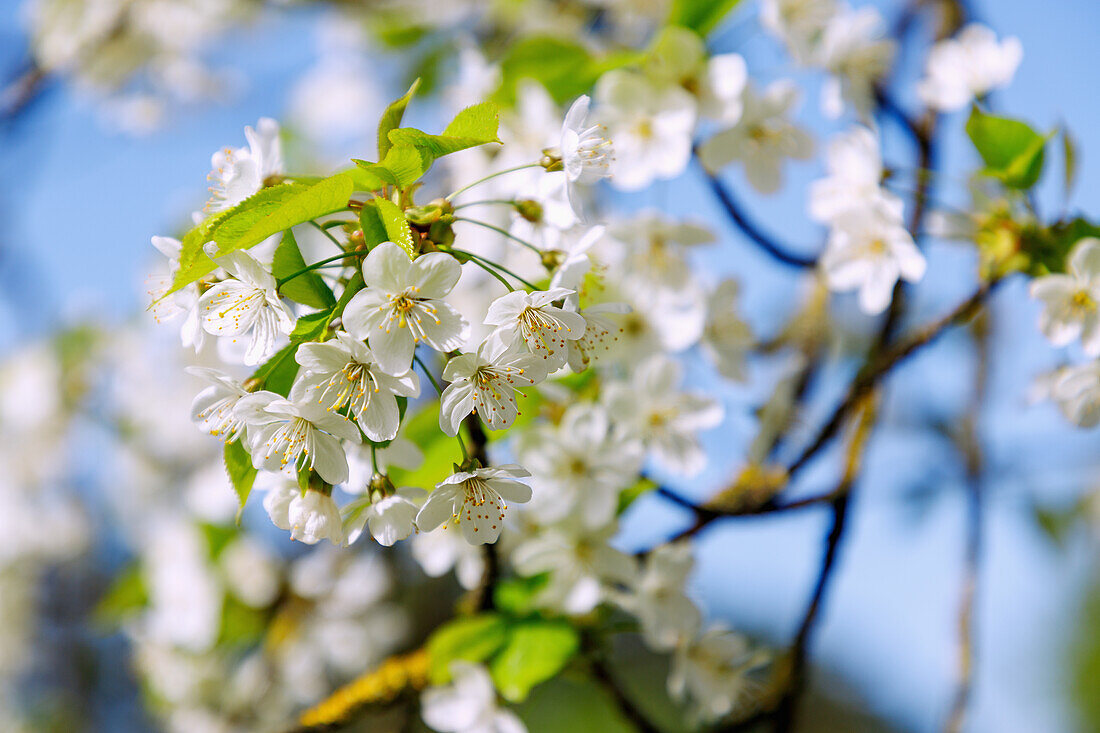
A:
[(391, 119), (397, 229), (238, 465), (470, 638), (327, 196), (312, 326), (702, 16), (473, 126), (1011, 150), (277, 373), (126, 595), (370, 222), (536, 651), (1069, 158), (565, 68), (307, 288)]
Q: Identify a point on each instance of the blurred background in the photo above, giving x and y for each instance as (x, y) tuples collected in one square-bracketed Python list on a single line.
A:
[(96, 450)]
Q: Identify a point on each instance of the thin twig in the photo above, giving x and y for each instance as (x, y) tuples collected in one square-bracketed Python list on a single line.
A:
[(971, 448), (788, 703), (778, 252)]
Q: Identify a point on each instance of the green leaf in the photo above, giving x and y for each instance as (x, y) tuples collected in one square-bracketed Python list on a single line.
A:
[(126, 595), (277, 373), (370, 222), (241, 625), (630, 495), (307, 288), (327, 196), (516, 596), (391, 119), (676, 56), (578, 704), (238, 465), (312, 326), (473, 126), (1069, 158), (194, 262), (565, 68), (397, 229), (536, 651), (217, 537), (1083, 652), (469, 638), (1011, 150), (702, 16)]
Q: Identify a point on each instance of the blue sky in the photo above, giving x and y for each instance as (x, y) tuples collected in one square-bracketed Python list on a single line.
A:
[(79, 204)]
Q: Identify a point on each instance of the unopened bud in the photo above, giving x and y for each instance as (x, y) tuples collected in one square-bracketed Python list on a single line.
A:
[(530, 210)]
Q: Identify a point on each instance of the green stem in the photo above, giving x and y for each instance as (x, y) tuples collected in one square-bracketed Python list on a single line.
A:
[(479, 260), (328, 234), (491, 176), (502, 232), (317, 265), (428, 374), (508, 202)]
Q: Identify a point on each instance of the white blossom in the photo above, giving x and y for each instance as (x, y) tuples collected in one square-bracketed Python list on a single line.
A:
[(579, 465), (401, 306), (468, 704), (183, 302), (727, 339), (763, 139), (344, 372), (1071, 301), (388, 518), (246, 303), (667, 420), (286, 435), (581, 565), (869, 251), (713, 672), (531, 320), (240, 172), (313, 517), (586, 153), (1076, 391), (486, 383), (475, 500), (667, 616), (215, 408), (651, 127), (854, 162), (601, 333), (440, 550), (970, 65), (855, 51), (798, 23)]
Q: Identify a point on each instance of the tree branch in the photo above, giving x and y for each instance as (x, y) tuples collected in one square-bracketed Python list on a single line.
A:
[(779, 252)]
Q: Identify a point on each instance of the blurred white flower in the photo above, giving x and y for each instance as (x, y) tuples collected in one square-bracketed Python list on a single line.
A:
[(1071, 301), (440, 550), (727, 339), (468, 704), (798, 23), (763, 139), (970, 65), (712, 672), (579, 465), (651, 127), (656, 597), (869, 251), (1076, 391), (856, 52), (667, 420), (251, 571), (854, 162), (580, 564)]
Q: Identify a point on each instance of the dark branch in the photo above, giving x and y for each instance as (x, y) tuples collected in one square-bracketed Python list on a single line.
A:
[(778, 252)]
